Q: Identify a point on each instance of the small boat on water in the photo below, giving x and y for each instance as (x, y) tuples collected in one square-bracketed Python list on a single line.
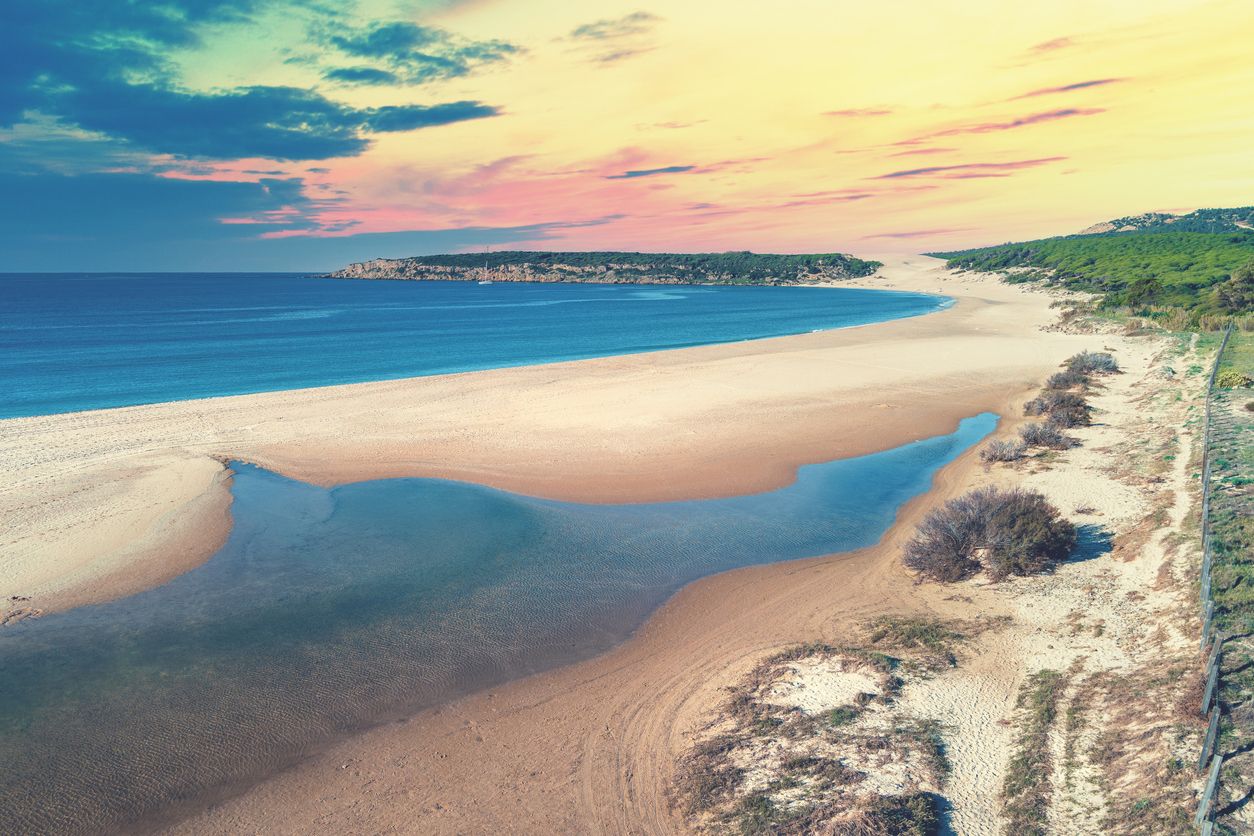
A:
[(485, 281)]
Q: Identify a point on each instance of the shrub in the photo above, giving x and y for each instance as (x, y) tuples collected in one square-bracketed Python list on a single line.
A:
[(902, 815), (1071, 415), (1237, 294), (1064, 409), (1012, 532), (1002, 451), (1232, 379), (944, 545), (1026, 535), (1092, 362), (1067, 380), (1045, 435)]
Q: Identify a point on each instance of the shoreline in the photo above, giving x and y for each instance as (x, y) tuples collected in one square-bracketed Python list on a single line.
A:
[(736, 417), (517, 749), (942, 304), (568, 743), (594, 746), (1113, 630)]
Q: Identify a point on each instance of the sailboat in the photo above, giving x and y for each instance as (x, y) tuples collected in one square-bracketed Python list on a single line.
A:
[(485, 267)]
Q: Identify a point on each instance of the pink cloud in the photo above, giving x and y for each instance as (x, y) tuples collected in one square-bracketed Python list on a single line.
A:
[(858, 112), (921, 151), (1052, 45)]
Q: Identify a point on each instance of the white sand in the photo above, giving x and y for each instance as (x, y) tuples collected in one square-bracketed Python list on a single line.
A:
[(818, 684)]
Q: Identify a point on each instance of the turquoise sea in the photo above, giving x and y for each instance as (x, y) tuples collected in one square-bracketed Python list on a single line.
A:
[(74, 342)]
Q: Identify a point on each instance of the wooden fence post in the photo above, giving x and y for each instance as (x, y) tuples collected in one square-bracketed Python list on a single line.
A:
[(1212, 732), (1212, 676), (1210, 741), (1208, 791)]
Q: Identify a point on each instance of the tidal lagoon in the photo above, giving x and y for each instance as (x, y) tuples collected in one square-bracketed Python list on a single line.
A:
[(331, 610)]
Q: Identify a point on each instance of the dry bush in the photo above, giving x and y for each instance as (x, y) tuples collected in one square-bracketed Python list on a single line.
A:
[(1045, 435), (1004, 532), (1003, 451), (944, 545), (1026, 535), (1092, 362), (1072, 414), (903, 815), (933, 638), (1067, 380), (1064, 409), (1026, 786)]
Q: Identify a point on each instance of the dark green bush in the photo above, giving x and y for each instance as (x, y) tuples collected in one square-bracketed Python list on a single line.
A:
[(1026, 535)]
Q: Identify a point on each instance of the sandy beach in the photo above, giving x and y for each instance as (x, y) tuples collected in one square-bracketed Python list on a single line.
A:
[(101, 504), (105, 503), (595, 747)]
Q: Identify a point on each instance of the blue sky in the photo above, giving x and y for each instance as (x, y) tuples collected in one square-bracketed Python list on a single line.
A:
[(303, 134)]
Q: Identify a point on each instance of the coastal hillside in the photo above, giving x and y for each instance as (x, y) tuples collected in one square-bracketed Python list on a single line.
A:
[(616, 267), (1203, 220), (1186, 267)]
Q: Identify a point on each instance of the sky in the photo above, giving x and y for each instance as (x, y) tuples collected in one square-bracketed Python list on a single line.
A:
[(301, 135)]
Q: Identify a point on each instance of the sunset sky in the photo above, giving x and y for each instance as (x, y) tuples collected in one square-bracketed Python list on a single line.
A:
[(303, 134)]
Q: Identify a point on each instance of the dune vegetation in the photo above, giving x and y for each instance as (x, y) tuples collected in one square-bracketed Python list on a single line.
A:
[(1195, 271)]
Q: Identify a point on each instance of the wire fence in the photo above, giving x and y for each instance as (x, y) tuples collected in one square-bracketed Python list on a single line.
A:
[(1211, 759)]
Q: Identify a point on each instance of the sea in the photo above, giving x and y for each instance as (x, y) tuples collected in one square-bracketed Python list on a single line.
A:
[(77, 342)]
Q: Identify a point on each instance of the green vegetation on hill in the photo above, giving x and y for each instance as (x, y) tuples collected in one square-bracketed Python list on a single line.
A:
[(731, 268), (744, 262), (1146, 273), (1203, 220)]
